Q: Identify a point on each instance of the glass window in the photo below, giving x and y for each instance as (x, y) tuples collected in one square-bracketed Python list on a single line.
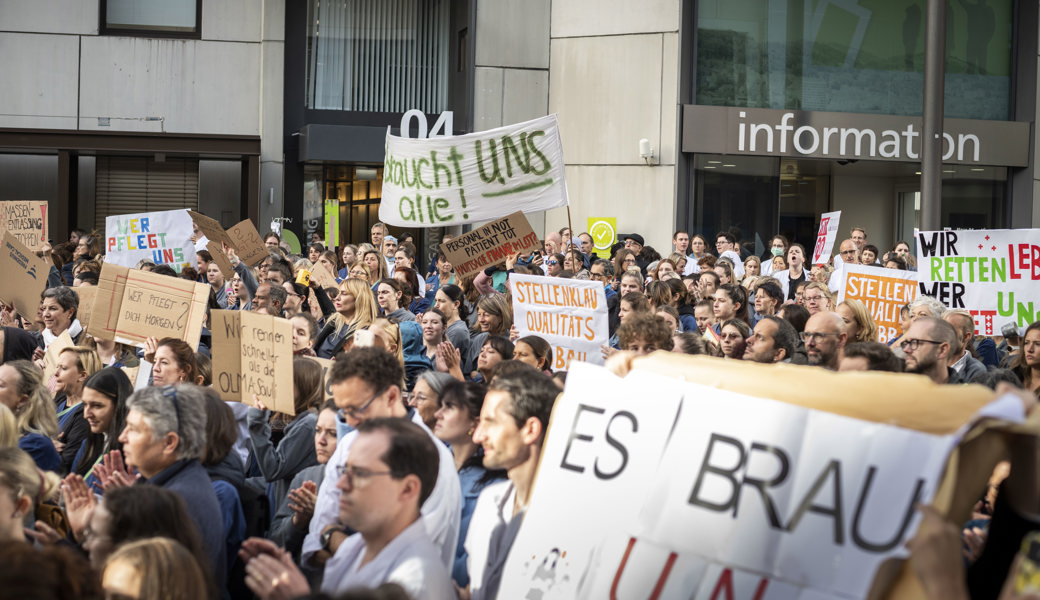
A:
[(378, 55), (179, 18), (864, 56)]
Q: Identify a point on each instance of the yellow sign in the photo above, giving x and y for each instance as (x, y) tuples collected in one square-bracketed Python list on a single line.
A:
[(604, 234)]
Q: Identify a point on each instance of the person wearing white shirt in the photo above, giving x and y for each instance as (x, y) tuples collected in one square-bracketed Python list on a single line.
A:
[(511, 431), (390, 473), (847, 253), (365, 384)]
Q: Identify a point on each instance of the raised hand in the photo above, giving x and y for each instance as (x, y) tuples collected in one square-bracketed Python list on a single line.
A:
[(111, 472)]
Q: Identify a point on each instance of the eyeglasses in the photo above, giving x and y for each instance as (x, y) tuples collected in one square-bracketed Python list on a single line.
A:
[(808, 337), (853, 251), (171, 393), (812, 298), (357, 473), (913, 345), (354, 411)]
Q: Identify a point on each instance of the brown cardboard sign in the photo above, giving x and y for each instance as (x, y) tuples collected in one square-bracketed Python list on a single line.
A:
[(24, 276), (87, 294), (209, 227), (252, 356), (132, 306), (217, 252), (322, 275), (491, 244), (26, 220), (50, 357), (248, 243), (326, 365)]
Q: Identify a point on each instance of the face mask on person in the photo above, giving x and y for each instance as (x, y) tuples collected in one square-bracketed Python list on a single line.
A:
[(777, 251)]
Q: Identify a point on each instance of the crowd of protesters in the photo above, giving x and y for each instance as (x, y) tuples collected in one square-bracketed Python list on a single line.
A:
[(405, 471)]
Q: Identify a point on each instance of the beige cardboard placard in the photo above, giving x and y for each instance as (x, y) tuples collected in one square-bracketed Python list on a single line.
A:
[(23, 276), (326, 365), (217, 252), (248, 243), (87, 295), (50, 357), (209, 227), (26, 220), (132, 306), (490, 244), (322, 275), (252, 355)]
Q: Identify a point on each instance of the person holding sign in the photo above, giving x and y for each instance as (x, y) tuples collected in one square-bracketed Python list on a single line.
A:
[(355, 309)]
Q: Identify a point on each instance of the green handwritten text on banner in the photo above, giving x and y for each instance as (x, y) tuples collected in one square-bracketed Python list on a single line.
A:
[(454, 180)]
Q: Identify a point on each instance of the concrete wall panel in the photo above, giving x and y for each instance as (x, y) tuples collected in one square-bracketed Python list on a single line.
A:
[(192, 86), (488, 84), (575, 18), (513, 34), (35, 96), (50, 16), (608, 93), (232, 20), (525, 95)]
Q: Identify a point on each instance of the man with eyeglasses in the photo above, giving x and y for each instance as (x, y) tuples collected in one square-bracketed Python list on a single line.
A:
[(366, 384), (824, 338), (927, 347), (847, 253)]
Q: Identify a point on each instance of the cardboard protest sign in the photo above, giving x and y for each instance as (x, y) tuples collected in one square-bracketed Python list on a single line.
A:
[(604, 234), (570, 314), (805, 500), (50, 357), (491, 244), (323, 276), (132, 306), (252, 356), (26, 220), (326, 364), (87, 295), (24, 276), (209, 227), (883, 291), (991, 272), (217, 252), (248, 243), (162, 237), (826, 236), (436, 182)]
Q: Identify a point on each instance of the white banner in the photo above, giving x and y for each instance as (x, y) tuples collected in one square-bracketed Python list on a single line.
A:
[(825, 237), (570, 314), (454, 180), (683, 493), (162, 237), (991, 272)]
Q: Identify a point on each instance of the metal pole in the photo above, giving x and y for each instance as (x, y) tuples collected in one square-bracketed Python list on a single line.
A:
[(932, 115)]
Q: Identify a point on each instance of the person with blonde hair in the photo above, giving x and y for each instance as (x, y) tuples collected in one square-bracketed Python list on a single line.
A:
[(75, 365), (355, 309), (858, 323), (817, 298), (23, 392), (154, 568), (22, 487), (8, 428)]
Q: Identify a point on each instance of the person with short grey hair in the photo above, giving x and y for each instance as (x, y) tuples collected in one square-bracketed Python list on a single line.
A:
[(425, 396), (164, 437), (58, 307), (926, 306)]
